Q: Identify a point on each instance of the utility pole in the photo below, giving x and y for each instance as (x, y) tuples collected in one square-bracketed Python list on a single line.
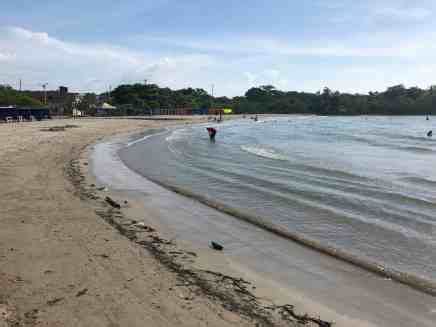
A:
[(44, 86), (211, 102), (432, 99), (20, 84)]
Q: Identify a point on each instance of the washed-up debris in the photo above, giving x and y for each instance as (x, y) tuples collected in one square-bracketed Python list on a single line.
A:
[(191, 253), (54, 301), (288, 311), (112, 202), (175, 252), (103, 188), (58, 128), (31, 315), (234, 294), (216, 246), (82, 292), (144, 226)]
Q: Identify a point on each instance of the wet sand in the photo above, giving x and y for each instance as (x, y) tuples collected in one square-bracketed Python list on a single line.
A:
[(283, 272)]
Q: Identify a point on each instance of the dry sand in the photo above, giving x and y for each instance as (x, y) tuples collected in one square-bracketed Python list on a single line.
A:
[(61, 264)]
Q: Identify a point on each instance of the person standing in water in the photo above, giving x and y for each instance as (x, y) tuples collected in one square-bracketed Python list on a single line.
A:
[(212, 133)]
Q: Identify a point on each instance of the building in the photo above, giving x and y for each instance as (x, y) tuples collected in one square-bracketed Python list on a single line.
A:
[(58, 101), (63, 91)]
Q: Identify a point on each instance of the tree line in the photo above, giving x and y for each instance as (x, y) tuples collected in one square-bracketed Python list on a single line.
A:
[(396, 100), (137, 99), (9, 96)]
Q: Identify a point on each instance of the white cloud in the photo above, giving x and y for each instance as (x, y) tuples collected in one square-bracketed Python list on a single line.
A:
[(232, 65), (4, 56), (380, 45), (251, 78), (270, 76), (377, 14), (38, 57), (402, 13)]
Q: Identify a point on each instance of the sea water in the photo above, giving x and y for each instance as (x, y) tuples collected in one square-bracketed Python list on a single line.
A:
[(363, 185)]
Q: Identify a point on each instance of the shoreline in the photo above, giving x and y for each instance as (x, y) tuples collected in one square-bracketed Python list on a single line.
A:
[(233, 293), (413, 281), (60, 263), (174, 233), (230, 290)]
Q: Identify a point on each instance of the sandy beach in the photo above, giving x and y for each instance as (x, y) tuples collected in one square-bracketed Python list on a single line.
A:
[(87, 242), (61, 264)]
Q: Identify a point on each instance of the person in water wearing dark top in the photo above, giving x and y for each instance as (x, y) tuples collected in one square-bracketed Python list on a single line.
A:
[(430, 134), (212, 133)]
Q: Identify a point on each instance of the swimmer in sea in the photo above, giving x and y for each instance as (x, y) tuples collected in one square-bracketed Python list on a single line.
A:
[(212, 133)]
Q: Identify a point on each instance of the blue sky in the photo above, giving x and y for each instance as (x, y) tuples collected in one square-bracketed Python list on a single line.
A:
[(350, 46)]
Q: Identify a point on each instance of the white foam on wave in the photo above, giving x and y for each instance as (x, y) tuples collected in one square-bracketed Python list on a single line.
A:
[(176, 135), (263, 152), (145, 138)]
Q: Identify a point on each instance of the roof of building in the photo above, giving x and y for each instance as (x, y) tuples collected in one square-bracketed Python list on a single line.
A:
[(106, 105)]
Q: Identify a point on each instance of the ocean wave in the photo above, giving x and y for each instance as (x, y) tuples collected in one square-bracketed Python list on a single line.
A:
[(415, 281), (177, 135), (415, 138), (383, 143), (151, 133), (416, 149), (420, 181), (264, 152)]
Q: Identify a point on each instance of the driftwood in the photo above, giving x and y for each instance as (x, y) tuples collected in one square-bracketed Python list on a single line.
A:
[(113, 203), (82, 292)]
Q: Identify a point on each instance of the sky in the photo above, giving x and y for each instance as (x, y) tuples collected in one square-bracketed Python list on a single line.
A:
[(346, 45)]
